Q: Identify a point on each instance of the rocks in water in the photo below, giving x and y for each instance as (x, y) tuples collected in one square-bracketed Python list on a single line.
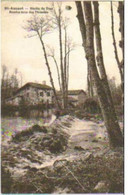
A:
[(58, 142), (94, 140), (68, 176), (56, 146), (26, 167), (59, 163), (33, 169), (102, 187), (23, 135), (78, 148), (29, 168), (62, 191), (88, 155), (39, 128), (36, 128), (54, 141)]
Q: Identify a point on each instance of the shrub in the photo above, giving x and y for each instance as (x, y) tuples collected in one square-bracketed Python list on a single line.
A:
[(91, 106)]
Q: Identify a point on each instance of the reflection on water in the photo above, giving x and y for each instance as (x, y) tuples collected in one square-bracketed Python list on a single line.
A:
[(38, 113), (12, 125), (34, 113)]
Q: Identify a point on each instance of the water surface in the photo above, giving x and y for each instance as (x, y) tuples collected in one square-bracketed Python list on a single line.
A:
[(12, 125)]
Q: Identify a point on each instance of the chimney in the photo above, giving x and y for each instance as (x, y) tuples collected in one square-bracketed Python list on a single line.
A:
[(44, 82)]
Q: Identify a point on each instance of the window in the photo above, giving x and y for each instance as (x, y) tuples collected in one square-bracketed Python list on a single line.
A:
[(41, 94), (48, 93)]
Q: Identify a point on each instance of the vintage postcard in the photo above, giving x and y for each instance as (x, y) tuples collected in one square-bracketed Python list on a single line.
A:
[(62, 97)]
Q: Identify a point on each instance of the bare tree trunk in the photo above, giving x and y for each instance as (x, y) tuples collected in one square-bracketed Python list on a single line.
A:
[(121, 15), (80, 17), (114, 133), (65, 58), (61, 60), (49, 72), (90, 83), (67, 77), (65, 69), (115, 48), (57, 68), (121, 43), (100, 61)]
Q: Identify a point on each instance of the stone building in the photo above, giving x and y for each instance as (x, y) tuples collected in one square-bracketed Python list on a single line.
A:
[(32, 94), (77, 97)]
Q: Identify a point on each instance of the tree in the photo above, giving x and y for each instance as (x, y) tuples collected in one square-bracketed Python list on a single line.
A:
[(99, 57), (90, 83), (61, 23), (51, 53), (9, 83), (121, 29), (87, 32), (57, 20), (42, 26), (121, 43), (116, 92), (120, 65)]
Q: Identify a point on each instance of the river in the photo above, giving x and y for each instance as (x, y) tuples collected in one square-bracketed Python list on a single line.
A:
[(12, 125)]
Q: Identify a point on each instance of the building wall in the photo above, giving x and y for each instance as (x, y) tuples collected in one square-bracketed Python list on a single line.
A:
[(81, 98), (13, 101), (74, 97), (16, 101), (33, 96)]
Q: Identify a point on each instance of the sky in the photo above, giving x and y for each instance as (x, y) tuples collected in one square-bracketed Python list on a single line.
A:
[(26, 54)]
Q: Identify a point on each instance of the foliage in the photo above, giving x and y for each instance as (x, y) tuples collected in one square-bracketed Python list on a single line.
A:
[(116, 91), (91, 106), (8, 110), (9, 83)]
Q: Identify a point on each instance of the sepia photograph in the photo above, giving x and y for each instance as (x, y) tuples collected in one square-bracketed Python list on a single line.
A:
[(62, 97)]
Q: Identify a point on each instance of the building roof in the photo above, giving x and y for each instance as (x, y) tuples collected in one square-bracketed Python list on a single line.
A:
[(35, 85), (76, 92), (13, 97), (73, 92)]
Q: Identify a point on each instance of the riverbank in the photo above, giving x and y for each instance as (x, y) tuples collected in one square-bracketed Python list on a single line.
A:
[(67, 156)]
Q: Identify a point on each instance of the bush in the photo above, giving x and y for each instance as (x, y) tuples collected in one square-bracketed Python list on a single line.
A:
[(8, 110), (91, 106)]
